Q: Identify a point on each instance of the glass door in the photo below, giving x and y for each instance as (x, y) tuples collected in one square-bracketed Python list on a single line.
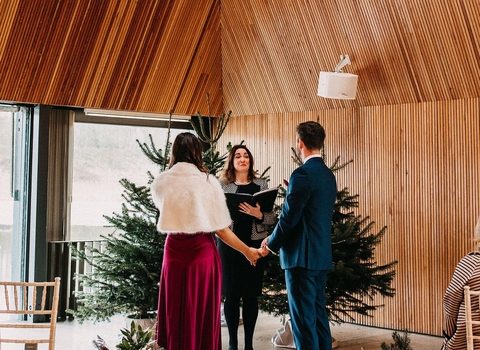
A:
[(14, 175)]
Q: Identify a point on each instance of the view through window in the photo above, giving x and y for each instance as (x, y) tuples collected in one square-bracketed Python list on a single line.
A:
[(103, 155)]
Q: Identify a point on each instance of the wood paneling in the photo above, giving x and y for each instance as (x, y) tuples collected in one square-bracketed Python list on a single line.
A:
[(150, 56), (412, 131), (403, 52), (416, 169), (159, 55)]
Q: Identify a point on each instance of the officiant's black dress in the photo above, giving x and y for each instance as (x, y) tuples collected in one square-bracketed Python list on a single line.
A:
[(240, 278)]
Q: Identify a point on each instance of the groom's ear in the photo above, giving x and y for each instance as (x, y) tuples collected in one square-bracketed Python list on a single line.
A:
[(300, 144)]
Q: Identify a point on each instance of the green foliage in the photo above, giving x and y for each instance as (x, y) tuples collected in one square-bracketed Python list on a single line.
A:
[(203, 127), (399, 342), (125, 271), (136, 338), (356, 278), (213, 160), (156, 155)]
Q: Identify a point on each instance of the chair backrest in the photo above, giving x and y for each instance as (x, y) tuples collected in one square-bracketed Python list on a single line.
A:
[(30, 299), (469, 294)]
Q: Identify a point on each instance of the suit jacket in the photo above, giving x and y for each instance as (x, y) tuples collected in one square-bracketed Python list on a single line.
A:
[(303, 232)]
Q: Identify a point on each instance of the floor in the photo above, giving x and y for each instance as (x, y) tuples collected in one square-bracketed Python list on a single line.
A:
[(74, 336)]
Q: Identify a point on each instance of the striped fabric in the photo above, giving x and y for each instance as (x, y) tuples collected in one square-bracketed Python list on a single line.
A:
[(467, 272)]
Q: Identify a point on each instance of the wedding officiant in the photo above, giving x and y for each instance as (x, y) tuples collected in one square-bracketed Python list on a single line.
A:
[(242, 281)]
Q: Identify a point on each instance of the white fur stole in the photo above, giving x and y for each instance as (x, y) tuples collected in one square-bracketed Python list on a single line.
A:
[(189, 201)]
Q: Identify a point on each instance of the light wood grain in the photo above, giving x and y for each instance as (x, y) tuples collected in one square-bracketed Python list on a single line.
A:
[(417, 171)]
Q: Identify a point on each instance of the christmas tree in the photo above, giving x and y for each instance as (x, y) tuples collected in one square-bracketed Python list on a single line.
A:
[(125, 270)]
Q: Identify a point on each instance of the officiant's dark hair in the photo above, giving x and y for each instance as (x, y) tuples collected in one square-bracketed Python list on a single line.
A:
[(228, 172), (187, 148)]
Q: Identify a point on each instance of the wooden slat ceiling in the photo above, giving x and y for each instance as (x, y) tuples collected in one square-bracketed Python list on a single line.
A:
[(403, 51), (150, 56), (155, 56)]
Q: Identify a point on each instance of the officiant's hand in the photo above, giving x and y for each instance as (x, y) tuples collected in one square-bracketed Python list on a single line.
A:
[(249, 210)]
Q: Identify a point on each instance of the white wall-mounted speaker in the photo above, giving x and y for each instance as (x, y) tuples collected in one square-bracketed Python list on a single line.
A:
[(337, 85)]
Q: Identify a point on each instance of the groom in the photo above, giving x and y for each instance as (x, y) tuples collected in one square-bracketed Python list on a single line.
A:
[(303, 237)]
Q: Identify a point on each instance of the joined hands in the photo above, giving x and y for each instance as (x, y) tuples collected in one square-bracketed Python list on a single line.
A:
[(256, 253)]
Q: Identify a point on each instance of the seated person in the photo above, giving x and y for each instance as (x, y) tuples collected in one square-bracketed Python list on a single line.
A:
[(467, 272)]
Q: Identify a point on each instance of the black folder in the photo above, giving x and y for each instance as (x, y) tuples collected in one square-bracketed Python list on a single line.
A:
[(265, 198)]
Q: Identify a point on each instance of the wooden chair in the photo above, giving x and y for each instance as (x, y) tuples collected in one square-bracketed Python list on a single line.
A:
[(468, 316), (30, 299)]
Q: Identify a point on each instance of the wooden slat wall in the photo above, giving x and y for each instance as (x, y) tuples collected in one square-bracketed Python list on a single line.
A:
[(416, 168), (403, 51), (150, 56), (412, 131)]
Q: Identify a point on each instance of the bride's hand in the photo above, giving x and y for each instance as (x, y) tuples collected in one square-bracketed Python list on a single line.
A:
[(253, 255)]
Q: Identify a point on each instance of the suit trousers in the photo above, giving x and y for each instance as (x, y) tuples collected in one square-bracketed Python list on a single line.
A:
[(307, 303)]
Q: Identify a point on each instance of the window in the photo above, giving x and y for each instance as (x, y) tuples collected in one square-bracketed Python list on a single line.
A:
[(103, 155)]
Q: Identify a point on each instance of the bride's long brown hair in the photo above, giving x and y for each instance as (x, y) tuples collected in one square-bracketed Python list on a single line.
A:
[(187, 148)]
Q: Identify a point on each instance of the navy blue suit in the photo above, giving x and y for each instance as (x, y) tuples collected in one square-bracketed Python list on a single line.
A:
[(303, 238)]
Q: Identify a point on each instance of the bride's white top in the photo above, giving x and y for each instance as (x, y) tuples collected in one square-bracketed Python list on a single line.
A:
[(189, 201)]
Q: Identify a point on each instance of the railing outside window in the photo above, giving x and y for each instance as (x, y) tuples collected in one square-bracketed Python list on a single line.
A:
[(63, 265)]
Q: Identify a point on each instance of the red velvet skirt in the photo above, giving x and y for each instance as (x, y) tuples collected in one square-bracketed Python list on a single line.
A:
[(190, 292)]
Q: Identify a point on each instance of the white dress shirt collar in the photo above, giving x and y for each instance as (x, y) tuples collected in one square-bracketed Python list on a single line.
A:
[(312, 156)]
